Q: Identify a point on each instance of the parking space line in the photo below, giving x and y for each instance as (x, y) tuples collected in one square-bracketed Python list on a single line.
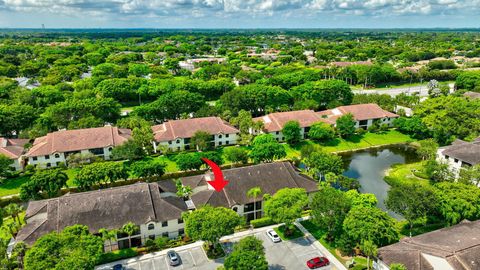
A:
[(193, 259)]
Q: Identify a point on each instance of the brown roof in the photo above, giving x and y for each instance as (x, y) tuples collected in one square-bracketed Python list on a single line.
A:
[(186, 128), (12, 148), (459, 245), (108, 208), (78, 139), (270, 177), (465, 151), (472, 95), (359, 112), (276, 121)]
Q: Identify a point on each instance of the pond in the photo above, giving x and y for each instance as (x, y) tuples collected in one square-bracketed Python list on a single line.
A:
[(369, 166)]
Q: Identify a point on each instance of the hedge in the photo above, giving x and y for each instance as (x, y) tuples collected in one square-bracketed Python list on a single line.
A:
[(118, 255), (261, 222)]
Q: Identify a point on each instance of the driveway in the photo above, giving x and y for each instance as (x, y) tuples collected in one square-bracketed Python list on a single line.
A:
[(285, 255)]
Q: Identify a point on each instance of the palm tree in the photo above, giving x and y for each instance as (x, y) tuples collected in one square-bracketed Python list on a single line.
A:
[(183, 191), (254, 193), (108, 235), (369, 249), (12, 228), (130, 228), (14, 211)]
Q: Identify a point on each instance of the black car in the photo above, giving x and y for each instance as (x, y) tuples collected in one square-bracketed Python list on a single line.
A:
[(118, 267)]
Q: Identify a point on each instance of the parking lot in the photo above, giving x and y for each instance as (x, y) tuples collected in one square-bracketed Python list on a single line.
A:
[(291, 254), (284, 255)]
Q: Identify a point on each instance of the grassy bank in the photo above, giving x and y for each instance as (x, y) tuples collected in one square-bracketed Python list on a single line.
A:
[(411, 173)]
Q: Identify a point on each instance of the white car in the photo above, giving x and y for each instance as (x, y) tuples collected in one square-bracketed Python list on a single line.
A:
[(274, 236)]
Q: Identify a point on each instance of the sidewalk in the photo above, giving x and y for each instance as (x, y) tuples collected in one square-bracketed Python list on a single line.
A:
[(333, 260)]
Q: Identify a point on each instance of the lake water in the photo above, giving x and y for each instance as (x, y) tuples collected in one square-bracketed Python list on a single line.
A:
[(369, 166)]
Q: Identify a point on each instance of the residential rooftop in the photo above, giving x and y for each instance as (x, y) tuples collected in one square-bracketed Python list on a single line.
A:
[(458, 246), (78, 139), (12, 148), (466, 151), (275, 121), (186, 128)]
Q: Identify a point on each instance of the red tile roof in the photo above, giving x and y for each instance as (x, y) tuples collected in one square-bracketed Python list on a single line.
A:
[(12, 148), (366, 111), (186, 128), (79, 139), (276, 121)]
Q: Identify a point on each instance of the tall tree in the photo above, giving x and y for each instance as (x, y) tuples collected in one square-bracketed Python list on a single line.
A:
[(5, 165), (286, 206), (254, 193), (130, 228), (236, 154), (369, 249), (292, 132), (108, 235), (247, 254), (457, 201), (322, 163), (48, 182), (321, 132), (329, 209), (345, 125), (14, 211), (202, 140), (266, 149), (427, 149)]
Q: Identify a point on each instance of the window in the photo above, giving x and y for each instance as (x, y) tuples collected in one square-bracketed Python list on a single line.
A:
[(34, 158), (181, 231), (178, 141), (277, 132), (169, 142), (456, 160), (219, 143), (47, 157), (165, 234), (97, 151), (235, 208), (110, 149), (227, 135), (57, 164), (363, 122), (447, 157), (164, 223), (227, 142), (152, 237), (220, 136), (180, 221), (151, 226), (248, 207), (57, 155), (49, 165)]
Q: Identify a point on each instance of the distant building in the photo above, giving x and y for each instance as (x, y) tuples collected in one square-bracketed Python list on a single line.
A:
[(13, 149), (190, 64), (460, 154), (364, 115), (176, 134), (54, 148), (154, 207), (452, 248), (347, 64), (472, 95)]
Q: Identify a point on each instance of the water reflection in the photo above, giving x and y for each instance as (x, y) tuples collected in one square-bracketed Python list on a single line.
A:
[(369, 168)]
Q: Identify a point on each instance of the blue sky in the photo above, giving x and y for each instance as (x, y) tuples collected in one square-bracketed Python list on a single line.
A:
[(239, 13)]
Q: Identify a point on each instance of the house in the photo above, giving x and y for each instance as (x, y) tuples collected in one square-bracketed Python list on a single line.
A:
[(472, 95), (269, 177), (13, 149), (176, 134), (347, 64), (273, 123), (154, 207), (452, 248), (364, 115), (191, 64), (54, 148), (143, 204), (460, 154)]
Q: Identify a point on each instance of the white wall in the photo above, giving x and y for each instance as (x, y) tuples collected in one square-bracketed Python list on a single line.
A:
[(172, 229), (455, 166), (179, 143), (55, 158), (280, 137)]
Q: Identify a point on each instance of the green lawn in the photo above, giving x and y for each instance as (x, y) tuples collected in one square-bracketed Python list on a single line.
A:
[(406, 174), (12, 186), (361, 262), (171, 165), (281, 232)]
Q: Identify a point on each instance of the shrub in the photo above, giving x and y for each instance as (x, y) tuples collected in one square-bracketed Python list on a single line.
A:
[(261, 222), (118, 255), (161, 242)]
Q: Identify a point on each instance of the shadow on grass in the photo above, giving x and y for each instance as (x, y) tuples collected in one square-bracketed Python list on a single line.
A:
[(354, 138)]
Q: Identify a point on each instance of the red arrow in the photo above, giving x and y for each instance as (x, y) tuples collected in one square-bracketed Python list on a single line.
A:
[(219, 182)]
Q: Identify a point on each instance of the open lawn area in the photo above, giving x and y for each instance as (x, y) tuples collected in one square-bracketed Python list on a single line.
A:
[(406, 174), (12, 186)]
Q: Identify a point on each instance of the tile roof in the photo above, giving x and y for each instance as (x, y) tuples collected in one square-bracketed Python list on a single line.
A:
[(108, 208), (276, 121), (459, 245), (359, 112), (78, 139), (270, 177), (12, 148), (465, 151), (186, 128)]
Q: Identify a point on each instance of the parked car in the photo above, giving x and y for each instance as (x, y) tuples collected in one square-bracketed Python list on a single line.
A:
[(173, 258), (118, 267), (317, 262), (273, 236)]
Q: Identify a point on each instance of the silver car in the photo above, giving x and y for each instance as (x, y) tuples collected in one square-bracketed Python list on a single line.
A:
[(273, 236), (173, 258)]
